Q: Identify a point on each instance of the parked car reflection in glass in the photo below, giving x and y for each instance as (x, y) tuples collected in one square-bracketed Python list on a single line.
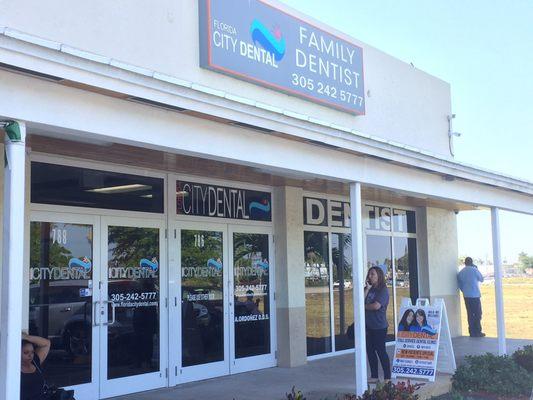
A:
[(66, 317)]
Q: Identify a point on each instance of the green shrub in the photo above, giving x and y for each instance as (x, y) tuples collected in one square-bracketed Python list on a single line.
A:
[(524, 358), (499, 375), (388, 391)]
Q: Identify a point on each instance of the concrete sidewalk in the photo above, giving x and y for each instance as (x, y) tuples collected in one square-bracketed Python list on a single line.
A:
[(319, 379)]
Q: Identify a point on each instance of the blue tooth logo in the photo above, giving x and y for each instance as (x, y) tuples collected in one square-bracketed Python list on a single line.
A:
[(150, 264), (264, 206), (263, 265), (215, 264), (84, 263), (273, 42)]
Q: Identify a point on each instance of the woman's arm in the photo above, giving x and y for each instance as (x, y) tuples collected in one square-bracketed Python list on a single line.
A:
[(42, 345), (373, 306)]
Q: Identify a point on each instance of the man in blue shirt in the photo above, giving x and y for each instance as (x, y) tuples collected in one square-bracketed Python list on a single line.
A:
[(468, 279)]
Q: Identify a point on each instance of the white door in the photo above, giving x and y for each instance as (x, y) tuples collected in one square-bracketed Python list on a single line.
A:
[(252, 304), (222, 314), (131, 313), (199, 316), (63, 296)]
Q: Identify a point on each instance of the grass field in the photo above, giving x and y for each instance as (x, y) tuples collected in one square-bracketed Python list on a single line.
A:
[(518, 309), (317, 303)]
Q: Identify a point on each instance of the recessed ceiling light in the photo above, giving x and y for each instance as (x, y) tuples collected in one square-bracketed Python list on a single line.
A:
[(121, 189)]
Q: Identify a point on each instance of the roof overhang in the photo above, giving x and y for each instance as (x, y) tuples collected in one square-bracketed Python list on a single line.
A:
[(24, 54)]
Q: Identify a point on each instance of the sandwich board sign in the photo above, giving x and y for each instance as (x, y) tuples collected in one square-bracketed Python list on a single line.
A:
[(423, 341)]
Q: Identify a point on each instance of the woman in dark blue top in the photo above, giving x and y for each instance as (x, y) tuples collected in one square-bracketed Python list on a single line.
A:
[(34, 352), (376, 302)]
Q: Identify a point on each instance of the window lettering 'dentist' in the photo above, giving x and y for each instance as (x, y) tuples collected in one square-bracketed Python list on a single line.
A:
[(324, 212)]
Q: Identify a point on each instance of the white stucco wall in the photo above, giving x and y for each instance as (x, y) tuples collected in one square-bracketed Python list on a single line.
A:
[(403, 104), (442, 255)]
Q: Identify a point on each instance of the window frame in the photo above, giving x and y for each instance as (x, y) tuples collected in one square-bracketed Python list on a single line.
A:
[(393, 234)]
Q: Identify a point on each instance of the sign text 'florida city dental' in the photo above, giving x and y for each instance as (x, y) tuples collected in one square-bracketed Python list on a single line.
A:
[(255, 41)]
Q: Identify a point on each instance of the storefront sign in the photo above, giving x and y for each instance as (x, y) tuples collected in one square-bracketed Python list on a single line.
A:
[(199, 199), (323, 212), (147, 268), (417, 341), (257, 42), (77, 269), (256, 270), (212, 269)]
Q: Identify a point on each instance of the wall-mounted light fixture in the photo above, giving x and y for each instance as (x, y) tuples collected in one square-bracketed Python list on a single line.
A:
[(451, 133)]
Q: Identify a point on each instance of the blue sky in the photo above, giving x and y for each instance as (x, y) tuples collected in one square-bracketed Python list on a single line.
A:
[(485, 51)]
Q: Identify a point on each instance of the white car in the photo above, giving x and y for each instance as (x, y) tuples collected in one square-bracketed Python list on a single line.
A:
[(347, 285)]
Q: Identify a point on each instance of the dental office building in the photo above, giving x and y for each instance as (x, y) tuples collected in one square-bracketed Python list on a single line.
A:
[(181, 181)]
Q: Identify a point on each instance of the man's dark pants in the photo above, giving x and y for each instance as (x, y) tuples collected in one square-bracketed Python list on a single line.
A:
[(473, 310)]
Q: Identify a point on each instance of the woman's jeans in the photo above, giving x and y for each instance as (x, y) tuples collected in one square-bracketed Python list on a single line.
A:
[(375, 347)]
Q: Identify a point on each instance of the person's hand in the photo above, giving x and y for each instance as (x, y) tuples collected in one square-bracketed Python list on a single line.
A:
[(368, 285)]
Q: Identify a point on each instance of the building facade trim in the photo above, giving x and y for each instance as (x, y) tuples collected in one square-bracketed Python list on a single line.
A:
[(331, 134)]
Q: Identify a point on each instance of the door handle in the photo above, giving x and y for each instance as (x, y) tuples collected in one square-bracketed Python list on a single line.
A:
[(66, 309), (95, 313), (113, 316)]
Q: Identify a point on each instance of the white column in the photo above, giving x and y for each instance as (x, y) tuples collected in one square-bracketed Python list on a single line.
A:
[(358, 292), (12, 269), (496, 254)]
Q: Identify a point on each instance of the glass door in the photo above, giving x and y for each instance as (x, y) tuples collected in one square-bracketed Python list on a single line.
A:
[(199, 318), (132, 307), (63, 275), (252, 306)]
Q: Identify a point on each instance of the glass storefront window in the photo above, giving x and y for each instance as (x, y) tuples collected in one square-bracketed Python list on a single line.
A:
[(317, 293), (202, 305), (133, 339), (390, 245), (406, 269), (390, 233), (61, 275), (379, 254), (377, 218), (341, 253), (403, 221), (83, 187), (251, 304)]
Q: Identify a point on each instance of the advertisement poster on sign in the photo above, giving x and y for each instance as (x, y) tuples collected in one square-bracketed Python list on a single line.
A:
[(417, 341)]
